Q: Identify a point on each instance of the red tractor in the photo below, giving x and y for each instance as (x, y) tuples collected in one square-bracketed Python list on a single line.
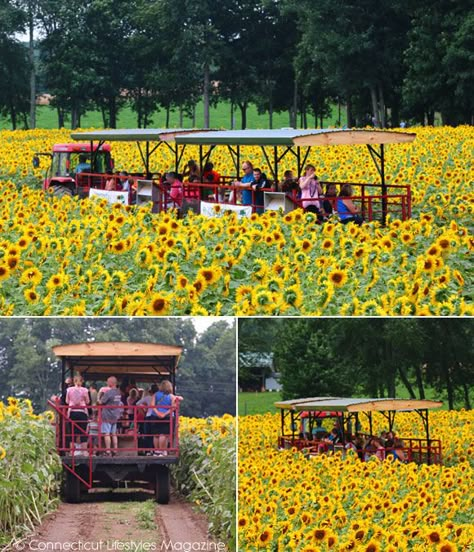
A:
[(75, 168)]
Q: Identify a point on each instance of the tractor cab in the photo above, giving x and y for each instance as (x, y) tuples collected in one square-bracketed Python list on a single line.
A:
[(75, 168)]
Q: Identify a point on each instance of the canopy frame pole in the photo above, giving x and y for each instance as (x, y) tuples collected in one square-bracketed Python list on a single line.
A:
[(306, 155), (288, 149), (147, 166), (142, 155), (341, 428), (293, 425), (379, 161), (200, 156), (282, 419), (424, 414), (206, 156), (238, 161), (234, 157), (298, 159), (95, 153), (179, 157), (370, 423), (272, 169), (275, 164)]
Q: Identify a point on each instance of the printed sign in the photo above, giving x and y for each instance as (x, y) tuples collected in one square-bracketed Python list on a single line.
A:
[(110, 196), (218, 209)]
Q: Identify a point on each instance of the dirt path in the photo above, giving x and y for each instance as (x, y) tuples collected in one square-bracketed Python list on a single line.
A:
[(122, 521)]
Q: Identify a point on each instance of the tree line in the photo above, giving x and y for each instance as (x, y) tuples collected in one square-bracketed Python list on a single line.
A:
[(379, 60), (205, 377), (364, 357)]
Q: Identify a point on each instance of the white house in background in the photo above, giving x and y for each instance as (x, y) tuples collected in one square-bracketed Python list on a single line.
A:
[(272, 382)]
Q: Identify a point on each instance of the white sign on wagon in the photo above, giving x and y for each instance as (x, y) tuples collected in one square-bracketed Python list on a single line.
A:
[(209, 209), (110, 195)]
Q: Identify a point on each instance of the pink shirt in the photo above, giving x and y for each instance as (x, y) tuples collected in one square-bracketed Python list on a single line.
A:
[(309, 192), (77, 398), (176, 192)]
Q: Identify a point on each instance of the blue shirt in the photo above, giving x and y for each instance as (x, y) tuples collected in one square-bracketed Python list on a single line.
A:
[(82, 167), (342, 210), (247, 194), (162, 400)]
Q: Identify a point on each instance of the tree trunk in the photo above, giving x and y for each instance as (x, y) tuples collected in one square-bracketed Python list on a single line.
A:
[(194, 116), (449, 388), (167, 123), (243, 113), (430, 115), (60, 112), (294, 108), (419, 381), (383, 119), (104, 116), (395, 114), (231, 115), (406, 382), (205, 95), (180, 116), (375, 107), (31, 54), (350, 117), (13, 116), (467, 400), (270, 113), (74, 115), (113, 112)]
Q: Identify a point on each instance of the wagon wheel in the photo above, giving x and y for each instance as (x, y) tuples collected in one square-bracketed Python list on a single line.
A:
[(162, 485), (71, 488)]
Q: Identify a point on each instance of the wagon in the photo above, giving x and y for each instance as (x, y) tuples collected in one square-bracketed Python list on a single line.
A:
[(299, 417), (376, 200), (134, 463)]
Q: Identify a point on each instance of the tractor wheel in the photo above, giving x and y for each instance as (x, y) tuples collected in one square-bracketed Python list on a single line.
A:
[(61, 191), (71, 488), (162, 485)]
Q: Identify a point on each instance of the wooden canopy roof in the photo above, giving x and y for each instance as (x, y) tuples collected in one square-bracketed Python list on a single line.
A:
[(134, 134), (98, 360), (319, 404)]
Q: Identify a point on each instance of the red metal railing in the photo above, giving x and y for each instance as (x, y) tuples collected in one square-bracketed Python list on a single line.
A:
[(371, 206), (416, 450), (133, 436)]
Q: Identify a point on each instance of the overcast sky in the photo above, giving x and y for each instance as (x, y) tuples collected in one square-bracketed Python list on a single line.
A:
[(201, 323)]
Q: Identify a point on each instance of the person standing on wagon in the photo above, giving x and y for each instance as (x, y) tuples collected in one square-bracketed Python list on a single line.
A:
[(161, 403), (310, 190), (110, 416), (77, 398)]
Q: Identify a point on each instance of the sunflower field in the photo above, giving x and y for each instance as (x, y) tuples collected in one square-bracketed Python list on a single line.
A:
[(29, 469), (65, 256), (288, 501), (206, 472)]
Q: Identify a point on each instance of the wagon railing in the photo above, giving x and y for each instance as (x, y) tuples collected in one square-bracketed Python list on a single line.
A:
[(135, 431)]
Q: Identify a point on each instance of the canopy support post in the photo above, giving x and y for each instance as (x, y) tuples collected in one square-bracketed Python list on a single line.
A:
[(200, 157), (269, 162), (379, 160), (275, 165), (180, 157), (282, 418), (424, 416)]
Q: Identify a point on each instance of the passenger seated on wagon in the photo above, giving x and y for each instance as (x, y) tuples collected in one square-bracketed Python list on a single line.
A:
[(175, 198), (192, 172), (330, 198), (346, 209), (289, 184), (319, 432), (397, 451), (210, 176), (259, 183)]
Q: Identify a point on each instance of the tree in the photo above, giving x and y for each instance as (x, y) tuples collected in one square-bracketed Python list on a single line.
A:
[(14, 65)]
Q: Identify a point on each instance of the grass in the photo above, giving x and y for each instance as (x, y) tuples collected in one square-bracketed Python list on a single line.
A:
[(257, 403), (219, 118), (261, 403)]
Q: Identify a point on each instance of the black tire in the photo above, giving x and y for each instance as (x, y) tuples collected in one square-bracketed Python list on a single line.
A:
[(71, 488), (162, 485), (61, 191)]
